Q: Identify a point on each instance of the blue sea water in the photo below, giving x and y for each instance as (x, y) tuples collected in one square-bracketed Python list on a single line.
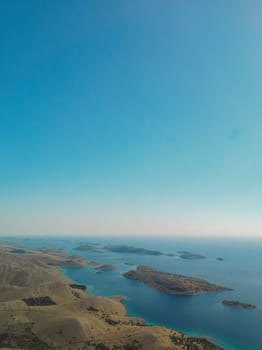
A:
[(203, 315)]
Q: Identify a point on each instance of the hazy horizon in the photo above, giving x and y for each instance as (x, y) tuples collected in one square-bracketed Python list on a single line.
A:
[(131, 118)]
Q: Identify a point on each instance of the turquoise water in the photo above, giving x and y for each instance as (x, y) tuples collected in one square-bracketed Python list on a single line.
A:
[(203, 315)]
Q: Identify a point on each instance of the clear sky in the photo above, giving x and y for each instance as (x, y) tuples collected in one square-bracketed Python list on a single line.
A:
[(131, 117)]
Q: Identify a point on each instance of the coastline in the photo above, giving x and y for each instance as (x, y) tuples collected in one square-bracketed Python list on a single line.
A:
[(225, 344), (215, 340), (186, 325), (56, 304)]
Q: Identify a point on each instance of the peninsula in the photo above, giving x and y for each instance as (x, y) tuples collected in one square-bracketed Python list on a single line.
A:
[(41, 309), (171, 283)]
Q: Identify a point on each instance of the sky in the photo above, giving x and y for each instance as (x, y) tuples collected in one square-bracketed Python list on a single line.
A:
[(131, 117)]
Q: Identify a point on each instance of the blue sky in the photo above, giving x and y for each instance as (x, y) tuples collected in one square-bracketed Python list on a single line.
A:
[(131, 117)]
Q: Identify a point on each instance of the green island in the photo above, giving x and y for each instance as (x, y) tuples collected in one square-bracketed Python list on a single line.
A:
[(172, 283), (238, 304)]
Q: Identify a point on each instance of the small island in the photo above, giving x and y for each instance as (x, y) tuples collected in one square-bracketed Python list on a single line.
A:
[(106, 267), (238, 304), (132, 250), (171, 283), (190, 256)]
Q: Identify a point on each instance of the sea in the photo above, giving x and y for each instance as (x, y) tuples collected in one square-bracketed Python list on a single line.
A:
[(201, 315)]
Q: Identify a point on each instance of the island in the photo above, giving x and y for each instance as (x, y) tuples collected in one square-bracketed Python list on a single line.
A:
[(132, 250), (41, 309), (87, 248), (238, 304), (220, 259), (106, 267), (190, 256), (172, 283)]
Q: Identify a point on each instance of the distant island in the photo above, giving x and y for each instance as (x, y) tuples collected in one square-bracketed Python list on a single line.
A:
[(171, 283), (133, 250), (87, 248), (238, 304), (190, 256), (220, 259), (143, 251)]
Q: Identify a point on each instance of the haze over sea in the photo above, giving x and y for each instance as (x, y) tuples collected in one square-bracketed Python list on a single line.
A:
[(203, 315)]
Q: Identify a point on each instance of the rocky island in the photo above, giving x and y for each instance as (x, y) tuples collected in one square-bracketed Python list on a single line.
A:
[(171, 283), (238, 304), (42, 310)]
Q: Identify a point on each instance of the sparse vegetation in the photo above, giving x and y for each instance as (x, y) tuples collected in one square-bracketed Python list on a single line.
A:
[(186, 342), (111, 322), (39, 301), (91, 308)]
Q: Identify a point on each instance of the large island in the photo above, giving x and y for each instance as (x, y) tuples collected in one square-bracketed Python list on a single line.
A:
[(171, 283), (42, 310)]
